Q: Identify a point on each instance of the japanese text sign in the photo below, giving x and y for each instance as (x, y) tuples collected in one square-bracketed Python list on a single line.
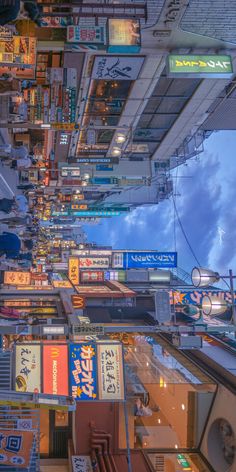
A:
[(15, 448), (94, 262), (74, 270), (28, 368), (83, 371), (17, 278), (110, 372), (150, 260), (81, 464), (91, 35), (200, 65), (55, 369)]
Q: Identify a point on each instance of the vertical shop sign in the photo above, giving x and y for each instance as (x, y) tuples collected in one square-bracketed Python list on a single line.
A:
[(83, 371), (73, 272), (28, 368), (78, 302), (110, 372), (16, 448), (55, 369)]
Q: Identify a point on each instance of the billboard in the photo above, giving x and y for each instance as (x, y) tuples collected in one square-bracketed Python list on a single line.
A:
[(92, 262), (116, 67), (73, 270), (28, 368), (55, 369), (87, 35), (194, 297), (110, 372), (124, 35), (83, 371), (92, 276), (16, 448), (17, 278), (144, 259), (193, 65)]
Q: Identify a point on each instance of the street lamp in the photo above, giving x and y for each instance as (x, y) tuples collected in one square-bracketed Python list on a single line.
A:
[(203, 278)]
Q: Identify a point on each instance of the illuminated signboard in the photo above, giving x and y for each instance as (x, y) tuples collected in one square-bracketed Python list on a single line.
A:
[(92, 276), (83, 371), (110, 372), (17, 278), (62, 284), (55, 369), (73, 271), (78, 301), (199, 65), (92, 262), (124, 35), (28, 368), (87, 35), (144, 259)]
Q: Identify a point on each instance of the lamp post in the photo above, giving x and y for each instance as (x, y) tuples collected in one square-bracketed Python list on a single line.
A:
[(212, 305)]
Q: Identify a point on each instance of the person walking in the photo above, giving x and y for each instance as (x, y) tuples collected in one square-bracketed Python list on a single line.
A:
[(11, 245)]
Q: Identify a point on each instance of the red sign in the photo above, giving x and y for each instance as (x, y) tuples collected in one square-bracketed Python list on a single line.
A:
[(55, 369), (78, 301), (92, 276)]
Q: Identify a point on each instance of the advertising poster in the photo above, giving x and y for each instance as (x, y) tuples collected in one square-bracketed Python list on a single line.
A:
[(89, 35), (199, 65), (110, 372), (116, 67), (16, 448), (17, 278), (73, 270), (55, 369), (28, 368), (81, 464), (94, 262), (83, 371), (124, 35), (151, 260)]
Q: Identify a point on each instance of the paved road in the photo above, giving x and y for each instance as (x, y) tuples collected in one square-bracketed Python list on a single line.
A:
[(9, 178)]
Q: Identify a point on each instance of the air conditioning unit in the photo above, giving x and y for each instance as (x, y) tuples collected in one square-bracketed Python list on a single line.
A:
[(187, 342)]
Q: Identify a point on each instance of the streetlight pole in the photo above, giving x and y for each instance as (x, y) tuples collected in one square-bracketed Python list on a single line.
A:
[(233, 308)]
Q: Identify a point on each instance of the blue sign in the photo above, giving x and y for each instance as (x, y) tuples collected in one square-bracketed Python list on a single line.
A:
[(103, 167), (83, 371), (150, 260)]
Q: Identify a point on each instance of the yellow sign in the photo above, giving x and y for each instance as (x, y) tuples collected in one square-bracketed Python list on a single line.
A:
[(65, 126), (33, 406), (61, 284), (17, 278), (73, 271), (35, 287)]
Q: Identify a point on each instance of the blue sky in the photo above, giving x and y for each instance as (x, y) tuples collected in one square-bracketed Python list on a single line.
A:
[(206, 204)]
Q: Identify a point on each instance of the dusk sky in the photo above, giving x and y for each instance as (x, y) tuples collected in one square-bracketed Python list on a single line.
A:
[(205, 201)]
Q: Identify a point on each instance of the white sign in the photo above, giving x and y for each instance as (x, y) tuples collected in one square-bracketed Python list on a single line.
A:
[(93, 262), (117, 67), (110, 372), (118, 260), (81, 464), (24, 424), (28, 368)]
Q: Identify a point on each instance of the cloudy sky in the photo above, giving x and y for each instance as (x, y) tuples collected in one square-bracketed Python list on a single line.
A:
[(206, 204)]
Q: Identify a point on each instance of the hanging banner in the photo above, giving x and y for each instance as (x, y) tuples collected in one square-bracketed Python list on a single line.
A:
[(110, 372), (124, 35), (199, 66), (16, 448), (62, 284), (83, 371), (17, 278), (55, 369), (81, 464), (28, 368), (116, 67), (87, 35), (93, 262), (73, 271)]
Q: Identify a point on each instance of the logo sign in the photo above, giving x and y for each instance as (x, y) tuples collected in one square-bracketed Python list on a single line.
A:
[(199, 65), (16, 448), (73, 272), (124, 35), (93, 262), (83, 371), (17, 278), (78, 302), (28, 368), (110, 372), (140, 260), (81, 464), (91, 35), (92, 276), (116, 67), (55, 369)]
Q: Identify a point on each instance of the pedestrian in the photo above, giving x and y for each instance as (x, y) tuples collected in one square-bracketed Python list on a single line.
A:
[(22, 163), (6, 204), (11, 246)]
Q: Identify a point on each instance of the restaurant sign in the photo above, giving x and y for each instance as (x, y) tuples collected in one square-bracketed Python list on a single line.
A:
[(124, 35), (83, 371), (192, 65), (110, 372), (93, 262), (28, 368), (15, 449), (55, 369), (73, 270), (87, 35)]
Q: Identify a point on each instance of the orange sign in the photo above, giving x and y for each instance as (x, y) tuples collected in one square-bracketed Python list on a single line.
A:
[(78, 301), (73, 271), (17, 278), (16, 447), (61, 284), (55, 369)]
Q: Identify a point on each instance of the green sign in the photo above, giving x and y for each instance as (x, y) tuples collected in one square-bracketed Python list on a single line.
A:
[(200, 65)]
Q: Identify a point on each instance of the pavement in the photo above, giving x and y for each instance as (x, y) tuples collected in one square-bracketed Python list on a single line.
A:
[(9, 178)]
